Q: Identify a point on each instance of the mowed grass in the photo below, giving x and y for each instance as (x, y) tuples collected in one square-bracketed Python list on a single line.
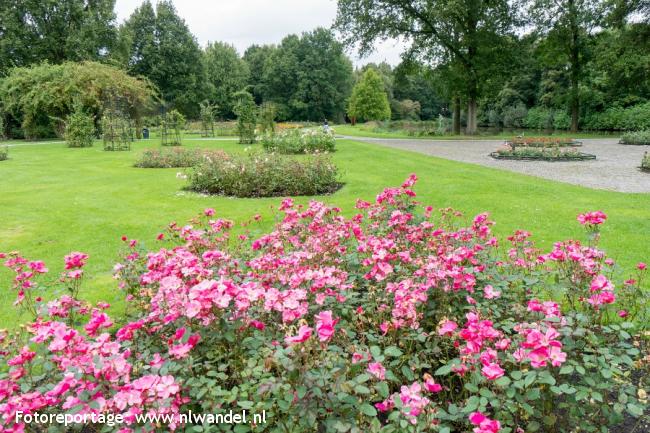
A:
[(54, 200), (370, 130)]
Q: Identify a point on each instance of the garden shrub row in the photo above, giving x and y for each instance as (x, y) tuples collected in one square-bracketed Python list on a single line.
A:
[(638, 137), (4, 153), (632, 118), (257, 174), (395, 319), (541, 153), (176, 157), (296, 141)]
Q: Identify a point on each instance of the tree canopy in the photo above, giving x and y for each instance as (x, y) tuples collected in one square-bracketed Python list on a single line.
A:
[(159, 46), (369, 100), (33, 31), (39, 98)]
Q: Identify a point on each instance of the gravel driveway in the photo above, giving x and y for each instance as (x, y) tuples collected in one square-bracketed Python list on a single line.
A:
[(616, 167)]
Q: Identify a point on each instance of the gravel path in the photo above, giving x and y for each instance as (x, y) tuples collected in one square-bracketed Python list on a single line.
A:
[(616, 167)]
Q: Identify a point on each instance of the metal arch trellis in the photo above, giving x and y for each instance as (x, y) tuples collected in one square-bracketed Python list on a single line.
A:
[(117, 128)]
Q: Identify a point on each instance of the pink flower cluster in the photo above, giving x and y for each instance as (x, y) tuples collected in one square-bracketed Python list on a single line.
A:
[(594, 218)]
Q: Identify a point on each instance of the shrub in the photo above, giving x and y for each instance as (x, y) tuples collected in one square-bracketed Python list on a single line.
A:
[(514, 116), (37, 95), (79, 129), (171, 129), (175, 157), (645, 162), (265, 175), (4, 153), (396, 319), (556, 153), (268, 111), (639, 137), (299, 141), (245, 110), (632, 118)]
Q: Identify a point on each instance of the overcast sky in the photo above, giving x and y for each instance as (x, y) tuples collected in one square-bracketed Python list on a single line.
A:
[(246, 22)]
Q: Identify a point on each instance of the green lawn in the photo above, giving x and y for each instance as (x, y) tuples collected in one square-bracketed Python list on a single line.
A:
[(363, 130), (54, 200)]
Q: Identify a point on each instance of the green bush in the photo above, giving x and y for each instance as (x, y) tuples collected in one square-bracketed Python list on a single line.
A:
[(79, 129), (633, 118), (37, 96), (514, 116), (298, 141), (541, 153), (264, 175), (639, 137), (645, 162), (246, 112), (4, 153), (175, 157)]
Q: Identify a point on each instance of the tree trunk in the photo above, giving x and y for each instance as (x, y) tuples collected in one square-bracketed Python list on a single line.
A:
[(456, 116), (575, 67), (472, 123)]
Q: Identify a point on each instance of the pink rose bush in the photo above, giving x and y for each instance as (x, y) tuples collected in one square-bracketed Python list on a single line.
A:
[(396, 318)]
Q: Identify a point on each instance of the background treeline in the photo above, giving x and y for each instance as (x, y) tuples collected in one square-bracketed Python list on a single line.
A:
[(523, 73)]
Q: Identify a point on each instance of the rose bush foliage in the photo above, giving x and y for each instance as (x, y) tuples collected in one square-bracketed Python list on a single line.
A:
[(396, 319)]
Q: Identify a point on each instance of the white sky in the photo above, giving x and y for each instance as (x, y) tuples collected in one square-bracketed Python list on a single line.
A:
[(246, 22)]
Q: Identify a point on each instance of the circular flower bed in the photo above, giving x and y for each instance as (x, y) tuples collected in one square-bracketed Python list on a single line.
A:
[(541, 154), (298, 141), (397, 319), (258, 174)]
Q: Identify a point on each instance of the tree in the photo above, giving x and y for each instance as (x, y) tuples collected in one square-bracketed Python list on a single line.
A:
[(246, 112), (369, 100), (256, 57), (226, 73), (159, 45), (32, 31), (567, 25), (35, 97), (308, 77), (464, 32)]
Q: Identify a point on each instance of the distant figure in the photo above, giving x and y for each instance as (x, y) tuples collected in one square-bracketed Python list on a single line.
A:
[(326, 127)]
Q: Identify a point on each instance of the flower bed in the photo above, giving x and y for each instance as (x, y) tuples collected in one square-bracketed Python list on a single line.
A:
[(257, 174), (4, 153), (637, 138), (296, 141), (176, 157), (541, 154), (395, 319), (545, 142)]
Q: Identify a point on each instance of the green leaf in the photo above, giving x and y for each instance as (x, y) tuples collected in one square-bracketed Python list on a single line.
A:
[(382, 389), (245, 404), (445, 369), (634, 410), (367, 409), (503, 381), (393, 351), (567, 369)]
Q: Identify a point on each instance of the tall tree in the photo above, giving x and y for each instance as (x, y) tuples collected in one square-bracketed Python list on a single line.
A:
[(567, 25), (226, 73), (32, 31), (466, 32), (255, 57), (369, 100), (308, 77), (161, 47)]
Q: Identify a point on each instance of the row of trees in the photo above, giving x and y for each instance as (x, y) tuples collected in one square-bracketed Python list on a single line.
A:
[(484, 61), (476, 42)]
